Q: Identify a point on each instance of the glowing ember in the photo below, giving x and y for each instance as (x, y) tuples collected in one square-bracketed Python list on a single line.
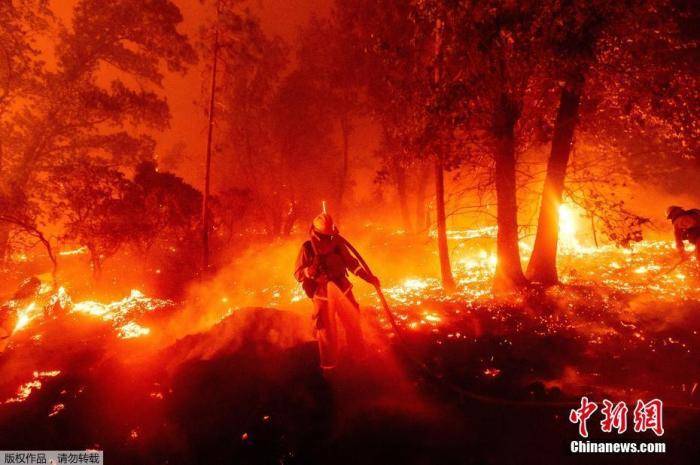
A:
[(26, 315), (26, 389), (131, 330), (61, 298), (647, 268), (56, 409), (298, 294), (121, 312), (78, 251), (465, 234), (411, 289), (415, 284)]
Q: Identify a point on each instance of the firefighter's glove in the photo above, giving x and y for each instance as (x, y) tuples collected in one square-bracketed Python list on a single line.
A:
[(370, 278), (312, 271), (373, 280)]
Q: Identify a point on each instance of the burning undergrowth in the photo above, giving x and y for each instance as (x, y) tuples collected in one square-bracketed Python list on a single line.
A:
[(232, 369), (104, 388), (246, 387), (640, 298), (559, 345), (266, 327), (623, 323)]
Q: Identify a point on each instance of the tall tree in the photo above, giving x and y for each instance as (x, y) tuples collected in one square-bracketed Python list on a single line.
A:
[(304, 142), (210, 133), (500, 46), (440, 216), (251, 73), (626, 83), (20, 22), (20, 73), (125, 38), (328, 56), (577, 27), (399, 68), (74, 113), (97, 207)]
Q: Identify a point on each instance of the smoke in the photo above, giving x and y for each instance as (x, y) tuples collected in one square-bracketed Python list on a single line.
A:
[(653, 205), (256, 298), (260, 328)]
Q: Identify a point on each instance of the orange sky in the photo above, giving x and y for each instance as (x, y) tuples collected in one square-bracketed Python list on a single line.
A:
[(188, 124), (278, 17)]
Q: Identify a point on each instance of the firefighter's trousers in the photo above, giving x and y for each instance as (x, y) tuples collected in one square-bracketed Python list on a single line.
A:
[(338, 305)]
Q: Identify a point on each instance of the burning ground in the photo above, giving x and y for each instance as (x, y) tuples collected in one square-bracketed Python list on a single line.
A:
[(229, 372)]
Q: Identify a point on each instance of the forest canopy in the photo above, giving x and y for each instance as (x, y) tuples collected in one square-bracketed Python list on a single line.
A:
[(416, 115)]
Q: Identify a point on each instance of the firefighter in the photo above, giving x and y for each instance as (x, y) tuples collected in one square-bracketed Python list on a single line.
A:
[(686, 227), (322, 268)]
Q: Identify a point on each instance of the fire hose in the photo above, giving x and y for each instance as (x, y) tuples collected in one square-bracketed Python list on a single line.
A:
[(456, 389)]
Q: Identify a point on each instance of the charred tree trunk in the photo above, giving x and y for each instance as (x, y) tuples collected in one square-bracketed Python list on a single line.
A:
[(29, 228), (400, 174), (448, 282), (543, 263), (345, 133), (207, 162), (4, 228), (4, 243), (276, 222), (593, 230), (509, 272), (421, 222), (51, 255), (95, 263), (290, 219)]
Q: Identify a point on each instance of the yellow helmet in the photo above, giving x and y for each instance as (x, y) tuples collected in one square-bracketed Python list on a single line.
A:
[(323, 224)]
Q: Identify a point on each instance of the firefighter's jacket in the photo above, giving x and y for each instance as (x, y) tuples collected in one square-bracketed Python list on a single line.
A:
[(687, 227), (331, 261)]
